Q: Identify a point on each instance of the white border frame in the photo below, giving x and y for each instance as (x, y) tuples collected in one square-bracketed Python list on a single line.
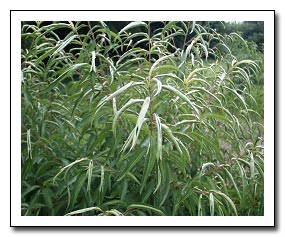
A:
[(18, 16)]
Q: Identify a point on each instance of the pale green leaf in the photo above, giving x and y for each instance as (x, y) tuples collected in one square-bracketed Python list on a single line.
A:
[(29, 144), (159, 137), (212, 204), (205, 166), (77, 188), (233, 181), (119, 112), (102, 176), (132, 25), (169, 134), (135, 158), (182, 96), (228, 200), (63, 76), (141, 118), (64, 44), (68, 166), (145, 207), (83, 211), (89, 175), (118, 92)]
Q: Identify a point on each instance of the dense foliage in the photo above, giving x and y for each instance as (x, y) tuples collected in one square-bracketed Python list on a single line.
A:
[(130, 123)]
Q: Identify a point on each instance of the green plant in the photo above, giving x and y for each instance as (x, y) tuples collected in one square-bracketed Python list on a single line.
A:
[(128, 123)]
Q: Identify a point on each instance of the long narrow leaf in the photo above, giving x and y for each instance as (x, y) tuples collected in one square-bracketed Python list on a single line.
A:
[(159, 137), (83, 211), (212, 204), (89, 175), (64, 44), (146, 207), (77, 188), (228, 200), (171, 137), (119, 112), (63, 76), (118, 92), (132, 25), (68, 166), (135, 158), (233, 181), (182, 96), (141, 118)]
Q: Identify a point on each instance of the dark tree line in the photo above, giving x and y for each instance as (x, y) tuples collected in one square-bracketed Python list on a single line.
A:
[(249, 30)]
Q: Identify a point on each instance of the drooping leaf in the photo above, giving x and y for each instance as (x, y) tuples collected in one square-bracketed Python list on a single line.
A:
[(64, 44), (135, 158), (68, 166), (146, 207), (171, 137), (119, 112), (141, 119), (227, 199), (132, 25), (84, 210), (77, 188), (182, 96), (63, 76)]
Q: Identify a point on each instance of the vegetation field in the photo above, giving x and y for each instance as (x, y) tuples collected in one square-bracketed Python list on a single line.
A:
[(140, 119)]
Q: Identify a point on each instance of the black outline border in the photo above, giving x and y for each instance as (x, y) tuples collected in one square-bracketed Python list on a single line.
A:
[(144, 228)]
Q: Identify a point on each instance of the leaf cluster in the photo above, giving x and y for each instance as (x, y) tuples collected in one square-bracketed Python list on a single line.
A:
[(159, 130)]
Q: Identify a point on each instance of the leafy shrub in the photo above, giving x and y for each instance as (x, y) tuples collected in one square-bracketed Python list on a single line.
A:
[(113, 128)]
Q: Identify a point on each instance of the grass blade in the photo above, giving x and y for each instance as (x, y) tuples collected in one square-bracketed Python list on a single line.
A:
[(83, 211), (132, 25), (118, 92), (212, 204), (159, 86), (192, 74), (149, 163), (156, 63), (204, 166), (77, 188), (93, 66), (169, 134), (200, 211), (158, 180), (89, 175), (252, 165), (145, 207), (67, 167), (232, 180), (238, 96), (118, 113), (193, 27), (135, 158), (113, 212), (63, 76), (64, 44), (29, 144), (102, 178), (135, 133), (228, 200), (182, 96), (159, 137)]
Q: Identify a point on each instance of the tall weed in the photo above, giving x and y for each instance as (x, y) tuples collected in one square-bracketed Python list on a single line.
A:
[(130, 123)]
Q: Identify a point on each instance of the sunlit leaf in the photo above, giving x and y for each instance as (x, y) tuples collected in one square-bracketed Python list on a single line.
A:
[(84, 210), (132, 25)]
